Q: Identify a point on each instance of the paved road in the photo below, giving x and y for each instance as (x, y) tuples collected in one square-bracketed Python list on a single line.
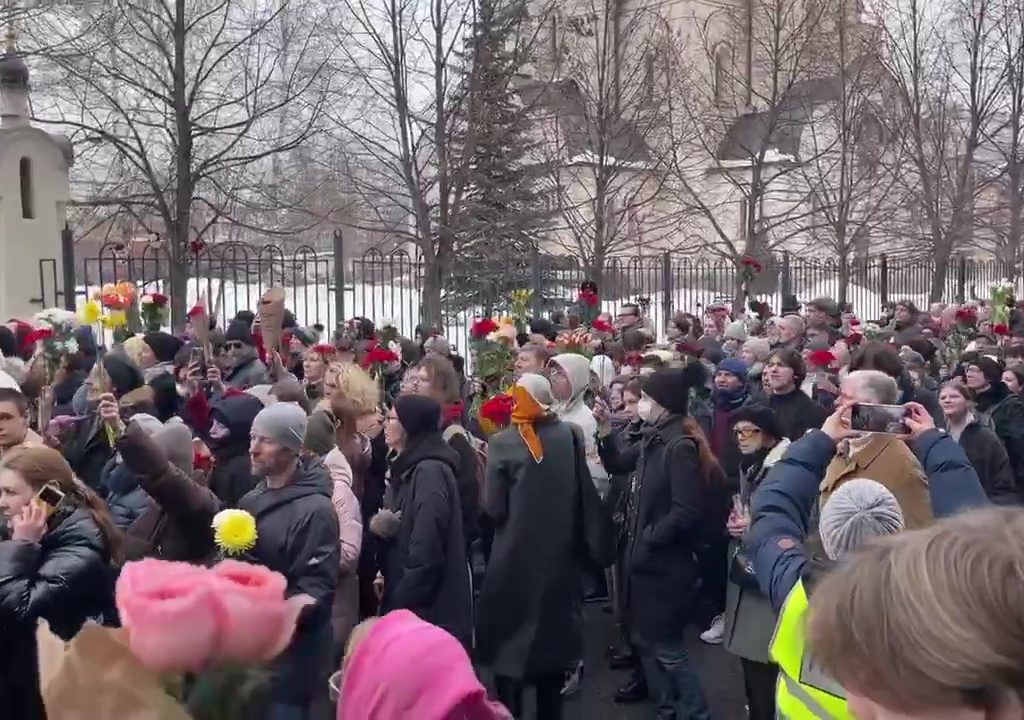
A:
[(719, 672)]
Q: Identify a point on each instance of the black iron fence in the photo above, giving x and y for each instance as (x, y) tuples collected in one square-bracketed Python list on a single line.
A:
[(388, 286)]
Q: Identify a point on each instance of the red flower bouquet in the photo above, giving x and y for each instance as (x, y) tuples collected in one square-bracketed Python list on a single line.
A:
[(821, 358), (588, 298), (602, 326), (495, 414), (482, 328), (966, 316), (1001, 329), (378, 356), (751, 264)]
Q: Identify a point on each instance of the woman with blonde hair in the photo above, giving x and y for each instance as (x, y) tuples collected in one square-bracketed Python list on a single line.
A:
[(928, 624)]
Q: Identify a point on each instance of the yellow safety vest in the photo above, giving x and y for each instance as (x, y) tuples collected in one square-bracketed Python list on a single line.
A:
[(803, 691)]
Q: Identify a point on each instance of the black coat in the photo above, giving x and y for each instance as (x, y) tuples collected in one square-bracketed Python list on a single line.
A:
[(424, 565), (65, 579), (87, 451), (989, 459), (231, 477), (664, 524), (468, 485), (797, 413), (298, 537), (529, 620), (1006, 411)]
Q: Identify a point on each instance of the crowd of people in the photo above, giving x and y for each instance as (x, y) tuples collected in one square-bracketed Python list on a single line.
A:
[(714, 477)]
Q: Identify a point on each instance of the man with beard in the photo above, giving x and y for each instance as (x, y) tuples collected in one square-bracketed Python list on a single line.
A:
[(246, 367), (297, 536)]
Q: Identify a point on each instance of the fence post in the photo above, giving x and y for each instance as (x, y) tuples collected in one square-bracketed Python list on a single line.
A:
[(785, 279), (666, 289), (883, 280), (67, 256), (536, 281), (339, 277), (961, 280)]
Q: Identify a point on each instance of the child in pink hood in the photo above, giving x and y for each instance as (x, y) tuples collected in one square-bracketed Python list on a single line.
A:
[(403, 667)]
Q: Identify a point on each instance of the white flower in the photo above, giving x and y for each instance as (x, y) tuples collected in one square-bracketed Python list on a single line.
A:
[(146, 300), (54, 317), (387, 323), (70, 346)]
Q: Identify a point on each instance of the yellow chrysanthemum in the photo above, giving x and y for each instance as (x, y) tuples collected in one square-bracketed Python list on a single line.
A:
[(91, 312), (234, 531), (114, 319)]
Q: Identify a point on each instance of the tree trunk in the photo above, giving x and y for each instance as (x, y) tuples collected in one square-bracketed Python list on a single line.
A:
[(844, 277), (938, 287), (178, 233)]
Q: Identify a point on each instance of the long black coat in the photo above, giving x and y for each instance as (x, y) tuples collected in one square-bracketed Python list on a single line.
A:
[(989, 459), (528, 625), (664, 523), (424, 565), (1006, 411), (65, 579), (298, 537)]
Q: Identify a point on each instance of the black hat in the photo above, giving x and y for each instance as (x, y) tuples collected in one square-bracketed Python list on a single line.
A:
[(245, 316), (419, 415), (670, 387), (125, 376), (790, 305), (164, 345), (239, 331), (760, 415)]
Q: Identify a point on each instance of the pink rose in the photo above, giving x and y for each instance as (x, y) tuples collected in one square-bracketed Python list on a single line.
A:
[(255, 621), (167, 610)]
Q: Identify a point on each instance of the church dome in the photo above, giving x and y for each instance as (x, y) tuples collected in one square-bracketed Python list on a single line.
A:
[(13, 70)]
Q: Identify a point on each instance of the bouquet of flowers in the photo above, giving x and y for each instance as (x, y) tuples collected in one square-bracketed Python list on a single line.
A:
[(237, 619), (749, 267), (379, 359), (493, 356), (116, 301), (55, 334), (1002, 303), (153, 310), (495, 413), (588, 302), (577, 341)]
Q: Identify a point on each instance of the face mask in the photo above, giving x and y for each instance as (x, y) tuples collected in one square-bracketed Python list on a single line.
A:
[(645, 409)]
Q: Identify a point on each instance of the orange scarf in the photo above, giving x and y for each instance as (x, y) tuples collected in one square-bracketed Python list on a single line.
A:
[(525, 411)]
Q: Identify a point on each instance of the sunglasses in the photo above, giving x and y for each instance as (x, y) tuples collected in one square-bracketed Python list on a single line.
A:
[(746, 432)]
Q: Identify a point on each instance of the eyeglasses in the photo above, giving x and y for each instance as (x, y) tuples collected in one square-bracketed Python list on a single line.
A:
[(746, 432)]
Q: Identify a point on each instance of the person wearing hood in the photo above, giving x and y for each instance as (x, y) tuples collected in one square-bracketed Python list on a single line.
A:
[(602, 374), (570, 378), (1004, 409), (981, 444), (749, 616), (733, 337), (88, 448), (246, 367), (297, 536), (424, 553), (676, 478), (537, 492), (232, 418)]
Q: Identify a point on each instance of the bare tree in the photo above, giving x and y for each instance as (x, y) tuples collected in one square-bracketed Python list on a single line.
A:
[(191, 103)]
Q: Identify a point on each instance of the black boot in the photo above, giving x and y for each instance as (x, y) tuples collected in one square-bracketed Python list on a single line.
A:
[(635, 691)]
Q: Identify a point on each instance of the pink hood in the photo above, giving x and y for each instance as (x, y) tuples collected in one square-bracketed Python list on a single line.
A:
[(407, 668)]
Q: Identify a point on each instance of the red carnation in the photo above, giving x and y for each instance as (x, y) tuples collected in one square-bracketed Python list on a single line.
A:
[(159, 299), (1002, 329), (602, 326), (588, 297), (752, 264), (38, 335), (498, 410), (378, 355), (821, 358), (966, 316), (196, 310), (482, 328)]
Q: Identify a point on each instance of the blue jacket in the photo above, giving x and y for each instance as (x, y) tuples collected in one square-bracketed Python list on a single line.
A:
[(781, 507)]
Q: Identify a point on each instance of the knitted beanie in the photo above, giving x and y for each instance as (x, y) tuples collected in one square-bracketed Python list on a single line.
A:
[(282, 423), (859, 510)]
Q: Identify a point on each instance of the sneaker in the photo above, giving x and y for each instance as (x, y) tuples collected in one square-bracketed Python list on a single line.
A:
[(714, 634), (573, 680)]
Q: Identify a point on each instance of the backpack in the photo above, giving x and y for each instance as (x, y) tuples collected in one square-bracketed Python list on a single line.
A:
[(479, 447)]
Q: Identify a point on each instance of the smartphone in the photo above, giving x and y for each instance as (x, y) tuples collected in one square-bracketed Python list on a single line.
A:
[(50, 497), (889, 419), (196, 356)]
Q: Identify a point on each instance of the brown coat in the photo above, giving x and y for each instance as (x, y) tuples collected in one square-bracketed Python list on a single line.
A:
[(889, 461), (176, 526)]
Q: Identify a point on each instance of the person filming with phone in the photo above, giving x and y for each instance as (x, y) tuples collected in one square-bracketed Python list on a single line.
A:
[(58, 565)]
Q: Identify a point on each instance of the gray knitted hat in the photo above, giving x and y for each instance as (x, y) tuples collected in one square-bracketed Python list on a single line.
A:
[(859, 510), (282, 423)]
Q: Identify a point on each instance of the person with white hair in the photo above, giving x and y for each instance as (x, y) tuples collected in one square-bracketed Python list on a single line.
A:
[(860, 509)]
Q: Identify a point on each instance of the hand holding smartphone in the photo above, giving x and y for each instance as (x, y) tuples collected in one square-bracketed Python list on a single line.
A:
[(886, 419)]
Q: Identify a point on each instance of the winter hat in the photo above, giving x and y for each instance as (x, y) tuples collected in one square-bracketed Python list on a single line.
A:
[(438, 344), (670, 387), (164, 345), (759, 347), (790, 305), (858, 511), (736, 330), (263, 393), (419, 415), (320, 433), (306, 335), (991, 368), (176, 440), (125, 375), (377, 684), (760, 415), (239, 331), (734, 366), (283, 423), (149, 424)]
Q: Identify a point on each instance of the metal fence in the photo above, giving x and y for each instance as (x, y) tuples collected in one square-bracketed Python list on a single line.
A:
[(388, 286)]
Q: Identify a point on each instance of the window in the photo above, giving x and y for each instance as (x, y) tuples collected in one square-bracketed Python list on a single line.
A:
[(723, 60), (28, 210)]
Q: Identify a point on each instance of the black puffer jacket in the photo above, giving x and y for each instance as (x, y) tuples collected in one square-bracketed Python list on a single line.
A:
[(64, 579), (989, 459), (1006, 412), (424, 565), (298, 537), (231, 477), (125, 499)]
